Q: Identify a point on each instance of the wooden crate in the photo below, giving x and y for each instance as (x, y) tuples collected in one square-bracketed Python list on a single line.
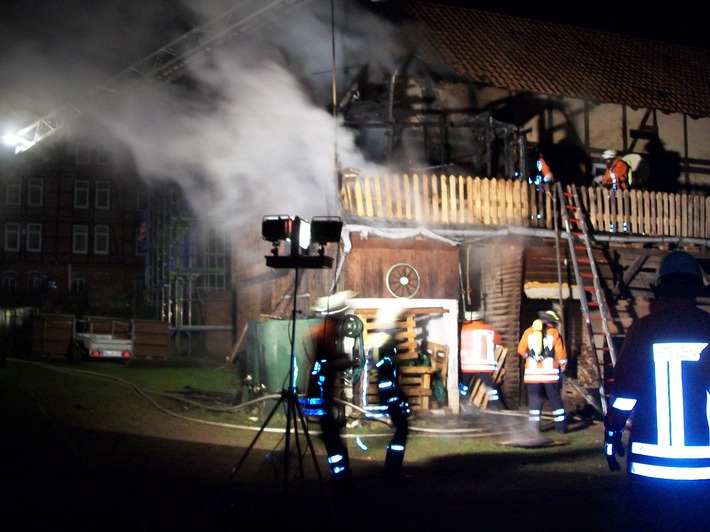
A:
[(439, 358), (414, 380), (51, 334), (478, 395), (150, 339)]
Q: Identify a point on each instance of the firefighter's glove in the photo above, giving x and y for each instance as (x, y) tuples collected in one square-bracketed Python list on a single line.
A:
[(613, 446)]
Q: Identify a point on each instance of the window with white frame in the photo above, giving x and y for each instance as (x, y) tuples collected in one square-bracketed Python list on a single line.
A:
[(34, 281), (78, 282), (80, 239), (101, 240), (81, 194), (34, 237), (12, 236), (103, 195), (35, 192), (9, 281), (13, 192)]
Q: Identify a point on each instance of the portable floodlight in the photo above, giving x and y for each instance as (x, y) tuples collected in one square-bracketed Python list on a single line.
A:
[(300, 233), (300, 236), (326, 229), (276, 228)]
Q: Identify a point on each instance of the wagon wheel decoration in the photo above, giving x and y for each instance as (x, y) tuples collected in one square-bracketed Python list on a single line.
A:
[(402, 280)]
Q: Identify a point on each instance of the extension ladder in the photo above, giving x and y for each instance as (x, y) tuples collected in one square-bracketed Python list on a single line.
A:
[(593, 303)]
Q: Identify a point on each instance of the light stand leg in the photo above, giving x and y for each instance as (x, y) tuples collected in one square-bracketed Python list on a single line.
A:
[(294, 415)]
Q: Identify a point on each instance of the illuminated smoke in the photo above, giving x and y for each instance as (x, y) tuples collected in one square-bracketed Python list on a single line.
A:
[(250, 132)]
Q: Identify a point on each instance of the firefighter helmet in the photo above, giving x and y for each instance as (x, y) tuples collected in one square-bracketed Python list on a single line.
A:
[(333, 304), (608, 154), (549, 316), (679, 273)]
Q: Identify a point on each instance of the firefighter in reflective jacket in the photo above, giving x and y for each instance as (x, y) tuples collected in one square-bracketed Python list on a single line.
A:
[(383, 355), (328, 362), (478, 342), (618, 174), (545, 358), (660, 388), (662, 376)]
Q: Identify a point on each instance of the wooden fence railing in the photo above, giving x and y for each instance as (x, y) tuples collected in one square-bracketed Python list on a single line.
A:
[(458, 200)]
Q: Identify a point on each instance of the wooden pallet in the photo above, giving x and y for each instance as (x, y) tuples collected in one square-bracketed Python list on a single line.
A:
[(478, 395)]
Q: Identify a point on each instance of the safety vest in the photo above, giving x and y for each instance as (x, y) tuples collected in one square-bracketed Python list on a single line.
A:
[(477, 353)]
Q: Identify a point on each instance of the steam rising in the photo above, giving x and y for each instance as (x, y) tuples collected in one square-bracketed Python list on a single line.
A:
[(249, 133)]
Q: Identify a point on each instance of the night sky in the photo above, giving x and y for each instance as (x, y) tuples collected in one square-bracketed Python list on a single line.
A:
[(680, 22)]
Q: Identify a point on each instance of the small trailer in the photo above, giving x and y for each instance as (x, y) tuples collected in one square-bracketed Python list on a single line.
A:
[(96, 338)]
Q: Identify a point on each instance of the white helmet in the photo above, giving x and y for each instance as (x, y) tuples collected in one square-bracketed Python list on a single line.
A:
[(333, 304), (608, 154)]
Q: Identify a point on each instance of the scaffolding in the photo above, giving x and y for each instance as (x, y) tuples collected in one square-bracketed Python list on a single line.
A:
[(185, 260)]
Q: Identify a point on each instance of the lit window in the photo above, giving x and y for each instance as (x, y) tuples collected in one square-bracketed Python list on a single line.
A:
[(81, 194), (103, 195), (35, 192), (80, 239), (101, 240), (34, 237), (12, 237), (13, 192)]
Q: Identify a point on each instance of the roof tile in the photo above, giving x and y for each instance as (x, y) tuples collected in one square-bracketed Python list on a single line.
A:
[(526, 55)]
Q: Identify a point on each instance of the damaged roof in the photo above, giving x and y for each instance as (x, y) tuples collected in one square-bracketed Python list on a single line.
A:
[(531, 56)]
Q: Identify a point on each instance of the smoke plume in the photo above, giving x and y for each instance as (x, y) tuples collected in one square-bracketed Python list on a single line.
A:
[(247, 132)]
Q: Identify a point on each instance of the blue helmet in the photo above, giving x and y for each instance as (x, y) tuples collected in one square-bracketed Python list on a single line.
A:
[(679, 274)]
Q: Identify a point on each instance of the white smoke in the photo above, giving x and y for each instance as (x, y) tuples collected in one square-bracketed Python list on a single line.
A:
[(251, 134)]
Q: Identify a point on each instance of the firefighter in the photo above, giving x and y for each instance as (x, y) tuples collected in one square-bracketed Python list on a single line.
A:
[(329, 361), (383, 355), (544, 174), (478, 341), (660, 386), (618, 174), (545, 356)]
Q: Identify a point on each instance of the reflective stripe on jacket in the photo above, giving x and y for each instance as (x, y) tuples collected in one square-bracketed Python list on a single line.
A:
[(548, 369), (478, 344)]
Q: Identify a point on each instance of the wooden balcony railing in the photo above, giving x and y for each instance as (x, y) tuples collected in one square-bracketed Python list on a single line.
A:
[(458, 200)]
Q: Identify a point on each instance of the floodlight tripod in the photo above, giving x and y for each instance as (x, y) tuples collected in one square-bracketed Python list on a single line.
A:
[(294, 415)]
